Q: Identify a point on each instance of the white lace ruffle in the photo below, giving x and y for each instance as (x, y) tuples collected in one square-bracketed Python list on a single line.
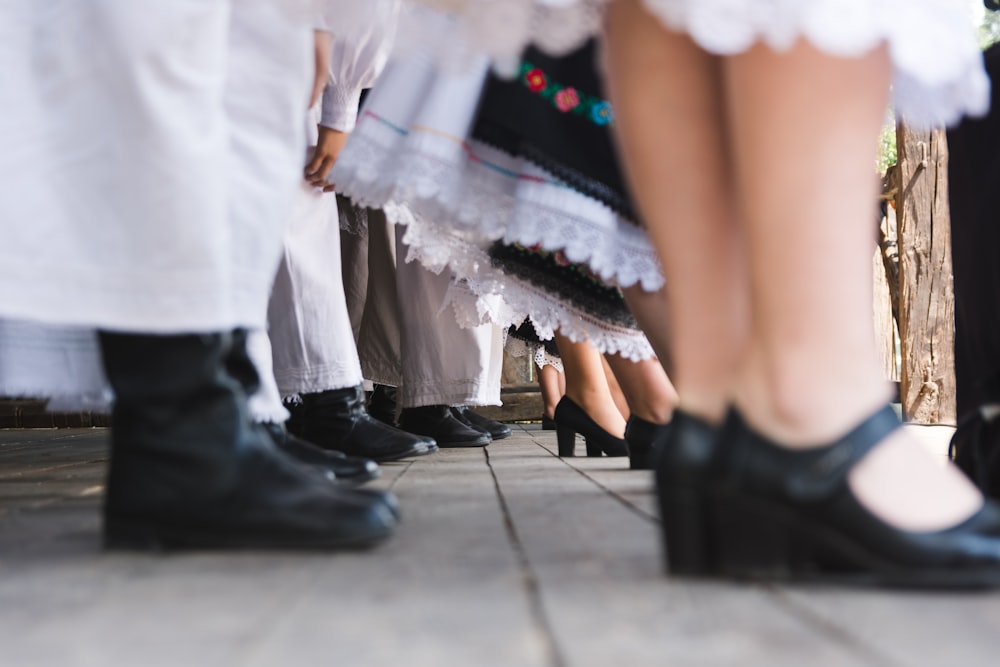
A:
[(481, 293), (478, 194), (939, 74), (519, 349), (547, 314)]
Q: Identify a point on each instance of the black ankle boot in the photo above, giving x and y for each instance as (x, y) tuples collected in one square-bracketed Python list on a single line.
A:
[(189, 469), (382, 404), (344, 469), (338, 420), (438, 422), (642, 438), (497, 430)]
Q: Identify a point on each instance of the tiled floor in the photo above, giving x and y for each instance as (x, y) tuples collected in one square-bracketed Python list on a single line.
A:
[(507, 557)]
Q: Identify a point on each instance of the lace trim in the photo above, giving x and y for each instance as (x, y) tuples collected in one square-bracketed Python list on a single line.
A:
[(481, 294), (547, 314), (570, 284), (477, 194), (519, 349)]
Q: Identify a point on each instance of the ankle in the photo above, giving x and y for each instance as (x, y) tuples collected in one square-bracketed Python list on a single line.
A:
[(811, 415)]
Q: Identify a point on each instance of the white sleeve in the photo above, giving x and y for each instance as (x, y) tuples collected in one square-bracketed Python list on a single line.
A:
[(358, 59)]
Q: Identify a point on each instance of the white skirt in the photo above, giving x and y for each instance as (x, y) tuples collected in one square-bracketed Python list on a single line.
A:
[(939, 75)]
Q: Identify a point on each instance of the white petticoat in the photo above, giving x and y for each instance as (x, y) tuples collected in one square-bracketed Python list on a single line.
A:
[(939, 74)]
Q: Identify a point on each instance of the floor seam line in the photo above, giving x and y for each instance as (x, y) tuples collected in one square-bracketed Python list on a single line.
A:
[(629, 505), (829, 627), (532, 584)]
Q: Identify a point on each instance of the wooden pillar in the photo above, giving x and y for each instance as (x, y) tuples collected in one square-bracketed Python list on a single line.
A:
[(926, 298)]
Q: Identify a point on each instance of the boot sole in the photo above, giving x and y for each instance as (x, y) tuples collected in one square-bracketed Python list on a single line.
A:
[(132, 535)]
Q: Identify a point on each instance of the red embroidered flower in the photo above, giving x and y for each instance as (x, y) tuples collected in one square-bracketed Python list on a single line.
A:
[(567, 99), (536, 80)]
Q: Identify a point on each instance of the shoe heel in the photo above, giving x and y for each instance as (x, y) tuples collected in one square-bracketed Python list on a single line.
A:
[(593, 449), (124, 535), (687, 544), (566, 437), (753, 543)]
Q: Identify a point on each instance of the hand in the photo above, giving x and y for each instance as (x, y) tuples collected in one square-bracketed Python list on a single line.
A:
[(324, 156), (323, 44)]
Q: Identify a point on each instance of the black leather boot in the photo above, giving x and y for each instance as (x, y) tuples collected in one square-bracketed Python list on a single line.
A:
[(438, 422), (382, 404), (343, 468), (338, 420), (497, 430), (189, 469)]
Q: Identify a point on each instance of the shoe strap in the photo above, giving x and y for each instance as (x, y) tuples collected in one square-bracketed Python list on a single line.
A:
[(823, 470)]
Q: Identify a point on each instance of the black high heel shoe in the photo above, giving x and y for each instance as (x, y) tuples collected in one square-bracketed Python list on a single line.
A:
[(572, 419), (785, 514), (643, 438)]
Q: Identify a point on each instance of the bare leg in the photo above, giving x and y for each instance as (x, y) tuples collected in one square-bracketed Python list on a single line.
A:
[(651, 312), (621, 402), (673, 138), (552, 387), (587, 386), (647, 388), (810, 372)]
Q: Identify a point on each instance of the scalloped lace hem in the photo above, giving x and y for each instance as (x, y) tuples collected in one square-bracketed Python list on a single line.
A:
[(481, 293), (520, 349), (476, 203), (520, 301)]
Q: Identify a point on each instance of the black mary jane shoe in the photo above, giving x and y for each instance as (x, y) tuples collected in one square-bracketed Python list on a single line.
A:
[(642, 438), (790, 515), (683, 463), (572, 419)]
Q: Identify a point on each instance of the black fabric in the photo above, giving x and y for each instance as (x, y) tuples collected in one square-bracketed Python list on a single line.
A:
[(572, 147), (526, 332), (571, 283), (974, 172)]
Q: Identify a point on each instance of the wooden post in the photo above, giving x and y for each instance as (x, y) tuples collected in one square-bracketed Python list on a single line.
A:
[(926, 298)]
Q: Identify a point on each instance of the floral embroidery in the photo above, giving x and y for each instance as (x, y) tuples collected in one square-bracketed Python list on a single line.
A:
[(602, 113), (566, 98), (536, 80)]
